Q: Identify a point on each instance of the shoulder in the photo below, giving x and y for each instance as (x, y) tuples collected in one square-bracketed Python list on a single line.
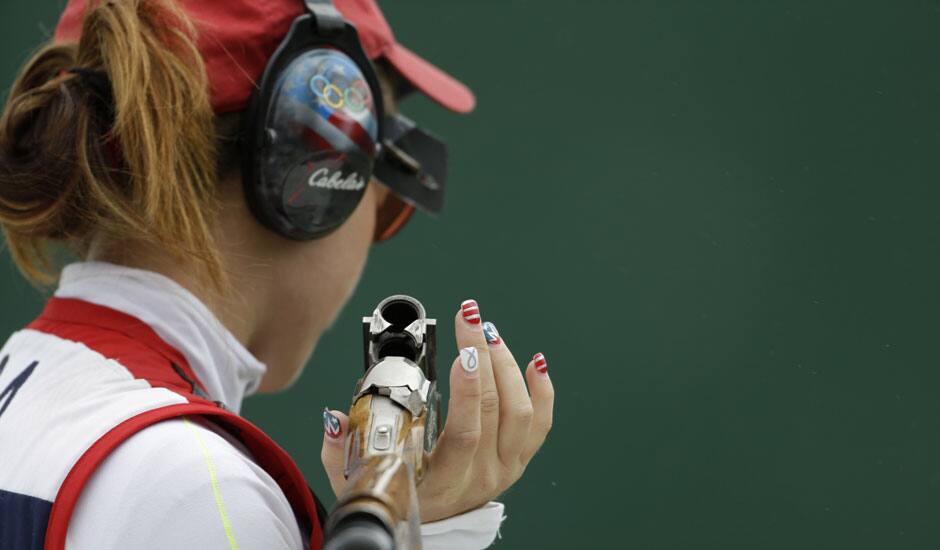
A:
[(56, 398), (182, 483)]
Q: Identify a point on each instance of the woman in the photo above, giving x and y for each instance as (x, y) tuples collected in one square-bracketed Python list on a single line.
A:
[(118, 405)]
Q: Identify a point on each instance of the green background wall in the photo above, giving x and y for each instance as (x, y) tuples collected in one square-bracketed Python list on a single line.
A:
[(719, 222)]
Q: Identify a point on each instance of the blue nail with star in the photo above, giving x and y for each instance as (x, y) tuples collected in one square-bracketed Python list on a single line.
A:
[(491, 334), (331, 425)]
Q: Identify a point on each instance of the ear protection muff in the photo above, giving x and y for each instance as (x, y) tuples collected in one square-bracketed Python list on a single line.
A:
[(313, 128)]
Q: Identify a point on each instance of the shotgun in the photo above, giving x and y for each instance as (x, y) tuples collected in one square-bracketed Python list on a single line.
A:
[(393, 424)]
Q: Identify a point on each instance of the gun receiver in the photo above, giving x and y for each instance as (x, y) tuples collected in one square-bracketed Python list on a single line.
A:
[(393, 422)]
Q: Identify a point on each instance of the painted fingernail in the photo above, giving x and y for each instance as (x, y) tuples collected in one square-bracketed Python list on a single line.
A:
[(540, 364), (331, 425), (471, 312), (491, 334), (469, 360)]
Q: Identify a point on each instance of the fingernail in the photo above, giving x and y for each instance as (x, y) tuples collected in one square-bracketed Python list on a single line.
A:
[(331, 425), (491, 334), (541, 365), (471, 312), (469, 360)]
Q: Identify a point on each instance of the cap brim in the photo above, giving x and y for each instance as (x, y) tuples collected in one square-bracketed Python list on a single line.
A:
[(433, 82)]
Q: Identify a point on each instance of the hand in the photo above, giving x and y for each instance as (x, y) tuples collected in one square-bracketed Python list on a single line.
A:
[(493, 429)]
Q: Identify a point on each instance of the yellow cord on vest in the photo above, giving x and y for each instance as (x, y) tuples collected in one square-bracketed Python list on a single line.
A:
[(215, 486)]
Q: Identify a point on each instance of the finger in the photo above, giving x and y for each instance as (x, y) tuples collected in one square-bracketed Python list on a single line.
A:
[(543, 404), (515, 406), (469, 332), (333, 451), (457, 445)]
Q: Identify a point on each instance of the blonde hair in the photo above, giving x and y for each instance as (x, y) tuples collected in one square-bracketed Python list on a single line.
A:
[(139, 164)]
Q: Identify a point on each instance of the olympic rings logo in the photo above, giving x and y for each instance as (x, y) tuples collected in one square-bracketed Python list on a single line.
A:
[(353, 97)]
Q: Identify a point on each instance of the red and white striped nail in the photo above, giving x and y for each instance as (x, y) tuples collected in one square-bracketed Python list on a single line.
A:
[(471, 312), (541, 365)]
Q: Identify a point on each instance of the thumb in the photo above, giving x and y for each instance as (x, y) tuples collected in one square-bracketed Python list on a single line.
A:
[(333, 454)]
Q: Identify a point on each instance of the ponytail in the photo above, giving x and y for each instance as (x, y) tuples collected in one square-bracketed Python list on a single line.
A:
[(114, 137)]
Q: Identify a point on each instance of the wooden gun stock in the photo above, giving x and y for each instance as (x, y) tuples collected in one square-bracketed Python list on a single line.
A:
[(382, 484)]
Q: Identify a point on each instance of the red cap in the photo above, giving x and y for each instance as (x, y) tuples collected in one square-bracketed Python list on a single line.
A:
[(237, 37)]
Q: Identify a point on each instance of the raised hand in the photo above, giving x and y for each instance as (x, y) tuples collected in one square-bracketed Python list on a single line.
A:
[(494, 426)]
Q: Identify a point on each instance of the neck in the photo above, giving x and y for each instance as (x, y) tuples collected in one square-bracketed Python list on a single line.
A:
[(270, 304), (240, 308)]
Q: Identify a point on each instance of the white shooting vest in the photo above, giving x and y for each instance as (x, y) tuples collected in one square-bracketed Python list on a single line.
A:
[(77, 382)]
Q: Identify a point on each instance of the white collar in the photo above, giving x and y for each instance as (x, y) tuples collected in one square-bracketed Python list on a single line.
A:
[(228, 370)]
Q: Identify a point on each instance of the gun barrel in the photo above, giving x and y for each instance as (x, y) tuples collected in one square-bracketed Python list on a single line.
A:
[(392, 422), (362, 532)]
